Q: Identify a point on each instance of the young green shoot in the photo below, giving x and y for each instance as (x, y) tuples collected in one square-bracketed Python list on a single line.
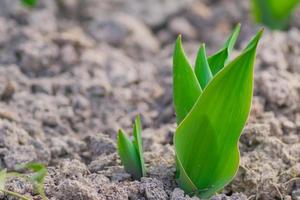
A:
[(131, 151), (273, 13), (212, 103), (188, 83), (36, 179)]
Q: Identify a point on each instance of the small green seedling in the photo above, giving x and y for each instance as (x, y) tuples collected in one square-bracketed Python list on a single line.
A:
[(36, 178), (29, 3), (273, 13), (131, 151), (212, 103)]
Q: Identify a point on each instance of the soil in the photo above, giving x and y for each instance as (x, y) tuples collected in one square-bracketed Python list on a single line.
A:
[(74, 71)]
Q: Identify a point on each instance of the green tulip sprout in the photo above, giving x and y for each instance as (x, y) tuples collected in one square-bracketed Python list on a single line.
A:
[(131, 152), (273, 13), (212, 103)]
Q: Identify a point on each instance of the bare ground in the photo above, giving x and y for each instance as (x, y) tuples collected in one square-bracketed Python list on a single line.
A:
[(72, 72)]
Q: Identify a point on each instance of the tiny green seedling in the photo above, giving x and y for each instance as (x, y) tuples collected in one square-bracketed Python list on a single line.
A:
[(36, 179), (131, 151), (212, 103), (273, 13)]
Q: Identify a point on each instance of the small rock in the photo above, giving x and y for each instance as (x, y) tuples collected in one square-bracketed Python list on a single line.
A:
[(178, 194), (41, 86), (98, 180), (279, 88), (73, 169), (38, 58), (75, 190), (255, 134), (74, 36), (115, 173), (113, 191), (98, 90), (154, 189), (287, 125), (100, 144), (50, 119), (8, 91), (69, 56), (113, 32), (9, 115), (102, 162)]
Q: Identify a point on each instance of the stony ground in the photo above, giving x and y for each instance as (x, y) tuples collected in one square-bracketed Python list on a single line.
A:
[(74, 71)]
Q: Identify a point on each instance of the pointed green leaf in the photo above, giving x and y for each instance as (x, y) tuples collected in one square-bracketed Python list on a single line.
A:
[(186, 88), (137, 141), (230, 42), (206, 140), (202, 69), (40, 171), (129, 155), (2, 179), (219, 59)]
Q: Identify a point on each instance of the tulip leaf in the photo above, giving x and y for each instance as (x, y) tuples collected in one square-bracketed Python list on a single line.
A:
[(131, 152), (206, 141), (202, 69), (186, 88), (219, 59), (137, 141), (128, 155)]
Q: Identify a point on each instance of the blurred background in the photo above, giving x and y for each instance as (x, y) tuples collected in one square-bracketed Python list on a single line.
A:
[(74, 71)]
